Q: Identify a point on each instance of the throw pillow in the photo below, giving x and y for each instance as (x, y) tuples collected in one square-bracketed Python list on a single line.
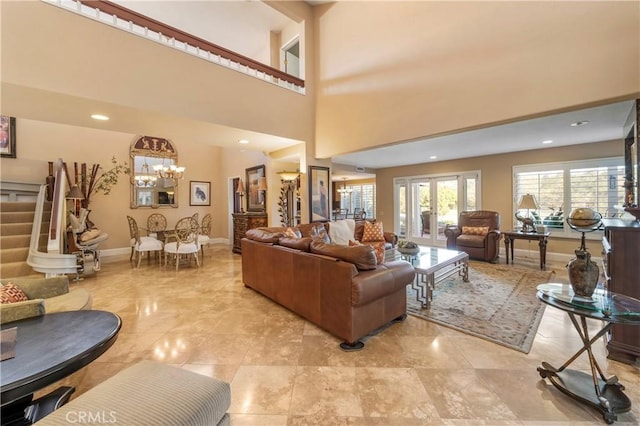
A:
[(319, 232), (11, 293), (292, 233), (341, 231), (378, 249), (475, 230), (372, 232)]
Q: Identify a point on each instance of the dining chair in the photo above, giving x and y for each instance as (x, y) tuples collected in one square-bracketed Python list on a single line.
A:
[(140, 244), (203, 234), (186, 235), (156, 225)]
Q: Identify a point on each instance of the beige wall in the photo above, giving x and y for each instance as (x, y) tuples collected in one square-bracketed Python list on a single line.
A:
[(395, 71), (497, 181)]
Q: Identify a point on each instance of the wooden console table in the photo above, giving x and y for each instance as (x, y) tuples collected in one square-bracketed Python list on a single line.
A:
[(242, 222), (542, 238)]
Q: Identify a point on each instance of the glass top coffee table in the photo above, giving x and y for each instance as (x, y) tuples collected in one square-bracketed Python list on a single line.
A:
[(433, 265)]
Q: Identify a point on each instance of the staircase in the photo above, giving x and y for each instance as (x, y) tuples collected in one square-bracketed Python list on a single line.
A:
[(16, 220)]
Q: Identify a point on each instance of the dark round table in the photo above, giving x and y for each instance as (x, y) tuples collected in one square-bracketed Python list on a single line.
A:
[(49, 348)]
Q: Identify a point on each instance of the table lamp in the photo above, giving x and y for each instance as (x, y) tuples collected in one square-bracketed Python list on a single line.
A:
[(528, 202), (240, 192)]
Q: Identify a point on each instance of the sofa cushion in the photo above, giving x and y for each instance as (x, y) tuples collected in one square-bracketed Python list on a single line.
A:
[(292, 233), (362, 256), (470, 241), (77, 299), (265, 235), (296, 243), (309, 229), (11, 293), (475, 230), (341, 231), (372, 232)]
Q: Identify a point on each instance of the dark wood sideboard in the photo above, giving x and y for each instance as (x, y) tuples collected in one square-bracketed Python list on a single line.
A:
[(621, 262), (242, 222)]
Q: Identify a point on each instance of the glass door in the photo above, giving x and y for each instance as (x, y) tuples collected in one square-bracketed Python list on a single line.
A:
[(424, 206)]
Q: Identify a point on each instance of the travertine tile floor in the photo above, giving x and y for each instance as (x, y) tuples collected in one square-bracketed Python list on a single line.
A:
[(285, 371)]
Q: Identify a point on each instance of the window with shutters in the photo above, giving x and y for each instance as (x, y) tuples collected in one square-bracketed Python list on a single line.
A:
[(561, 187)]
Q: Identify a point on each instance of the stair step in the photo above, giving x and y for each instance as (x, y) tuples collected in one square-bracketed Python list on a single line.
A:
[(18, 254), (14, 241), (18, 206), (15, 228), (16, 217), (16, 269)]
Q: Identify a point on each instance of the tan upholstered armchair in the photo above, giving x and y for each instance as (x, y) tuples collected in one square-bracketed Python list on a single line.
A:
[(477, 234)]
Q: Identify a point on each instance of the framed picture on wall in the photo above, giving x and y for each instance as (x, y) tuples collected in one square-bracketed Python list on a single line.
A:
[(255, 197), (319, 190), (7, 136), (199, 193)]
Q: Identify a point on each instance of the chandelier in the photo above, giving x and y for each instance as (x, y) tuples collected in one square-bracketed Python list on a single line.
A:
[(169, 172), (344, 190), (145, 178)]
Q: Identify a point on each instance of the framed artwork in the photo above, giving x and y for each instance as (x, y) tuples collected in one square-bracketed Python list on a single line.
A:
[(319, 185), (7, 136), (199, 193), (255, 197)]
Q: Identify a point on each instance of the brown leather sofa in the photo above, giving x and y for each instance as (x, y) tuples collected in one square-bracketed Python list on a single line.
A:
[(477, 234), (341, 289)]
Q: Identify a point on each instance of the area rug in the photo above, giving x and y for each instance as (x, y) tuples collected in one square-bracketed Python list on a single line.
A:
[(498, 304)]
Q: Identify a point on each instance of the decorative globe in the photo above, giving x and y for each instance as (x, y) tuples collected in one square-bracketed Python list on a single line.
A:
[(584, 218)]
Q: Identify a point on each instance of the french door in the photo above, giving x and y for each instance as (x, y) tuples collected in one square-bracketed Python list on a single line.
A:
[(425, 205)]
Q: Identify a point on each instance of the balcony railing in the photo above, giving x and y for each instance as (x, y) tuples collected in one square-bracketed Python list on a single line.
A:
[(135, 23)]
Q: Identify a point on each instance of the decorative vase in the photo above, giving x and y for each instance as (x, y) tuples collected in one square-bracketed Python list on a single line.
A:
[(409, 251), (583, 274)]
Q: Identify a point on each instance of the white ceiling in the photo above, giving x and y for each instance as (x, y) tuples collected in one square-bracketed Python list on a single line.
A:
[(605, 123)]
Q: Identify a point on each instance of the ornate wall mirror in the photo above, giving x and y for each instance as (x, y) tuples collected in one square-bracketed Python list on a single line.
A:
[(148, 188)]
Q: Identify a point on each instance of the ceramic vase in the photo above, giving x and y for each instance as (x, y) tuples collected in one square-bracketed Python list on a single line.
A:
[(583, 274)]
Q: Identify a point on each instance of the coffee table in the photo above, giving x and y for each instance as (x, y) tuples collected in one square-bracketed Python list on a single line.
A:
[(433, 265)]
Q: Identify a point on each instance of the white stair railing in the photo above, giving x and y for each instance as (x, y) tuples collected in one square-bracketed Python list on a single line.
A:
[(54, 261)]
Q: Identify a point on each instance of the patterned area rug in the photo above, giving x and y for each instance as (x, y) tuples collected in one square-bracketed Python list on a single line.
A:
[(498, 304)]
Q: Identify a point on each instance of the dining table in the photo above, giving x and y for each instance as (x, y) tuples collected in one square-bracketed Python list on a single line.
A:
[(49, 348)]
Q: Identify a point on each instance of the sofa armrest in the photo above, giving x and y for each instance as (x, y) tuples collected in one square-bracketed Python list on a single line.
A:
[(392, 238), (452, 232), (494, 234), (20, 310), (42, 288)]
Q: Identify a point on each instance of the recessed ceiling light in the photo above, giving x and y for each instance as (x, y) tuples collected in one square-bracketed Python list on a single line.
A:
[(243, 141), (579, 123), (100, 117), (433, 157), (547, 142)]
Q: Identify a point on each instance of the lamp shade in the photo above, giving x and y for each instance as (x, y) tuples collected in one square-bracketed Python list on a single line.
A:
[(240, 187), (528, 202), (75, 193), (262, 184)]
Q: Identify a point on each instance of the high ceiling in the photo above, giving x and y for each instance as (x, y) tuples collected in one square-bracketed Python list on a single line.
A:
[(244, 28)]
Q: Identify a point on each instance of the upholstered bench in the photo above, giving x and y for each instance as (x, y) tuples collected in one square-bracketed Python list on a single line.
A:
[(149, 393)]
